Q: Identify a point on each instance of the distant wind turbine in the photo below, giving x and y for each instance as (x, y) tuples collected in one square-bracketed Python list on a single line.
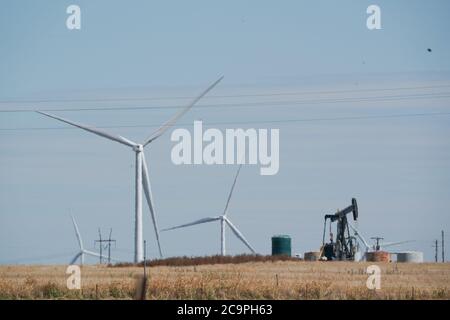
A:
[(80, 255), (142, 175), (223, 222), (375, 247)]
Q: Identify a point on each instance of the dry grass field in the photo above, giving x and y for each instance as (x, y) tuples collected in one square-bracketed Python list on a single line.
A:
[(252, 280)]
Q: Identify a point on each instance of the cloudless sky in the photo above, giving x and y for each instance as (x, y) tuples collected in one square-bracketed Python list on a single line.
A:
[(398, 168)]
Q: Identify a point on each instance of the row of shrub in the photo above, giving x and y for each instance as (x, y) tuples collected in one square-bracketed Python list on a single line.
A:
[(204, 260)]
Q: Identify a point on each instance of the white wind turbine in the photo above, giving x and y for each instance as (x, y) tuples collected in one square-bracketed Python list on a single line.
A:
[(223, 222), (83, 251), (142, 175), (371, 248)]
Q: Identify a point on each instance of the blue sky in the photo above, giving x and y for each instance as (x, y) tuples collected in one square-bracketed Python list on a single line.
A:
[(320, 51)]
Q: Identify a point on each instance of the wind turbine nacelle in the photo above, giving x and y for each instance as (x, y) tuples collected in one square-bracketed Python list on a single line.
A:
[(138, 148)]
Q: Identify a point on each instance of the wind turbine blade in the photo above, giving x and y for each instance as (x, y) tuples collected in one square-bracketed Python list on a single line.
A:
[(231, 191), (96, 131), (77, 232), (204, 220), (178, 115), (368, 247), (390, 244), (94, 254), (75, 258), (149, 197), (239, 235)]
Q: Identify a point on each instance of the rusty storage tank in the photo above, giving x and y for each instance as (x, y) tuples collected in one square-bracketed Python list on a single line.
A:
[(378, 256), (312, 256), (281, 245), (410, 256)]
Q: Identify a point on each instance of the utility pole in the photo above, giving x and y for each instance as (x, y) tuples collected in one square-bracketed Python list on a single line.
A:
[(436, 248), (145, 257), (101, 244), (141, 284), (109, 246), (106, 246), (377, 239), (442, 246)]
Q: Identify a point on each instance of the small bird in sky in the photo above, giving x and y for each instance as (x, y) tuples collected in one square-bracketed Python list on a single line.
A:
[(429, 50)]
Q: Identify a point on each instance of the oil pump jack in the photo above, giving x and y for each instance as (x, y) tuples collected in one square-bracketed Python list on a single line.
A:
[(345, 246)]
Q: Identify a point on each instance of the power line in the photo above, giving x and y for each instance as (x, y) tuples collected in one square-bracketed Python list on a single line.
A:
[(386, 116), (439, 95), (222, 96)]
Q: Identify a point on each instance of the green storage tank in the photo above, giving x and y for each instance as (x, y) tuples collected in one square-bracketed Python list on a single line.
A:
[(281, 245)]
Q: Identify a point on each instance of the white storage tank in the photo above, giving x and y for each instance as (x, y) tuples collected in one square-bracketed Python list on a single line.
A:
[(410, 256)]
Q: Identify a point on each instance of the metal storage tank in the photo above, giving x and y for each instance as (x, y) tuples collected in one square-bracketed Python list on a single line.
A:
[(312, 256), (410, 256), (281, 245), (378, 256)]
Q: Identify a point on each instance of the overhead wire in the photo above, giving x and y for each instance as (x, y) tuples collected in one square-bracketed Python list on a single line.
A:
[(439, 95), (290, 93), (280, 121), (277, 103)]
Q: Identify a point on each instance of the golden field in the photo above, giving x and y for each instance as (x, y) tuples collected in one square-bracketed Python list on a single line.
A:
[(252, 280)]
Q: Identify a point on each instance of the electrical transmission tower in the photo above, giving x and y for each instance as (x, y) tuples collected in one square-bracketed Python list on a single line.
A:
[(105, 244)]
